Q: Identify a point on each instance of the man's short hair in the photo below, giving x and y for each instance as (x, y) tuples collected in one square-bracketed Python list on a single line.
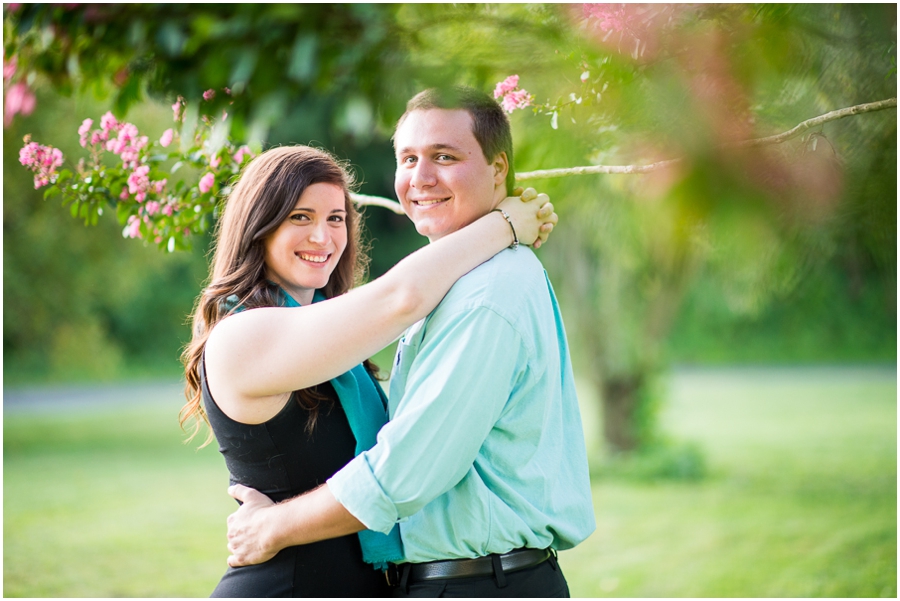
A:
[(490, 125)]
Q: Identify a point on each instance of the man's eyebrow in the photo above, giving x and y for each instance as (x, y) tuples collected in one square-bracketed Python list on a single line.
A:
[(312, 210), (433, 147)]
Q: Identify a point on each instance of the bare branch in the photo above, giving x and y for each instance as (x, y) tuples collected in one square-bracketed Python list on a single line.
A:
[(776, 139), (362, 199), (378, 201)]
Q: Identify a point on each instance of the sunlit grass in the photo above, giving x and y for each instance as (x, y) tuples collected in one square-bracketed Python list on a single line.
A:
[(800, 500)]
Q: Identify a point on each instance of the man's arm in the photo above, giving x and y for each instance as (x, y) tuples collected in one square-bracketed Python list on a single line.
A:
[(451, 402), (260, 528)]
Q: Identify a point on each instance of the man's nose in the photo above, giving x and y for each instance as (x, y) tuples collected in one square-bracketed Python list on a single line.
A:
[(423, 176)]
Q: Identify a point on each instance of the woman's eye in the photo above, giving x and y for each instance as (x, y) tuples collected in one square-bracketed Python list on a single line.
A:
[(299, 217), (337, 218)]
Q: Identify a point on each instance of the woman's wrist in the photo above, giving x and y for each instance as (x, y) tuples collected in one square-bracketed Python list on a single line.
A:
[(508, 219)]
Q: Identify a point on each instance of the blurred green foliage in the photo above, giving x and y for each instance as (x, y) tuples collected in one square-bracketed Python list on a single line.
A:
[(780, 253)]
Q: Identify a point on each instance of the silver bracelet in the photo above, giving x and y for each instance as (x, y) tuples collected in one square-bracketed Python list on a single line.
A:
[(515, 243)]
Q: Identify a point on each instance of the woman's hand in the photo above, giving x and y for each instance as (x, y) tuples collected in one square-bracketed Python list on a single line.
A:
[(532, 216)]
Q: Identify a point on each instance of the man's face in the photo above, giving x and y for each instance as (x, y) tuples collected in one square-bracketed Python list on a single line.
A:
[(443, 179)]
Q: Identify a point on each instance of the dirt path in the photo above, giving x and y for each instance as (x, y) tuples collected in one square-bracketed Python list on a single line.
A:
[(84, 396)]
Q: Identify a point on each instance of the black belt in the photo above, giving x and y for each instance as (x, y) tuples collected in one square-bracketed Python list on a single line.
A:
[(518, 559)]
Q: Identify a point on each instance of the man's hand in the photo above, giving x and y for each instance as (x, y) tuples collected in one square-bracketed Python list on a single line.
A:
[(247, 528)]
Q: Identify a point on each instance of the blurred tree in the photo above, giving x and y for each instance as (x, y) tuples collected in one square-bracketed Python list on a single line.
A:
[(623, 84), (642, 83)]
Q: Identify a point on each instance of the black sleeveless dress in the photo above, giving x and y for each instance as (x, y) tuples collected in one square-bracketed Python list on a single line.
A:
[(278, 458)]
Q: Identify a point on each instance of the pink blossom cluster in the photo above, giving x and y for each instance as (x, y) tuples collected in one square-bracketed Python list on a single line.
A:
[(176, 109), (609, 17), (128, 144), (206, 182), (42, 160), (140, 185), (18, 97), (512, 97), (240, 153), (133, 227)]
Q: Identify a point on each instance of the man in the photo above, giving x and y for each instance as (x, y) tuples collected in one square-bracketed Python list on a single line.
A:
[(483, 463)]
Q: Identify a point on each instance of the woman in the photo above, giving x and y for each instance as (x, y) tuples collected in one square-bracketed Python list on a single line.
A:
[(282, 386)]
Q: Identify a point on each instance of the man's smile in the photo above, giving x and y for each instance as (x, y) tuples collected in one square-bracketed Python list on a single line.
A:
[(429, 202)]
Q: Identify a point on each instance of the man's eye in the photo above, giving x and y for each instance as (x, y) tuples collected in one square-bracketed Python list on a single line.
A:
[(445, 157)]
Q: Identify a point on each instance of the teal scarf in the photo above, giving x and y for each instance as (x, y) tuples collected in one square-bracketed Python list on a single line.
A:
[(365, 404)]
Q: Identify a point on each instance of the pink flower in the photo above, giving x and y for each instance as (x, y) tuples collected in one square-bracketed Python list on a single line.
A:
[(139, 183), (610, 17), (513, 97), (96, 138), (206, 182), (9, 69), (166, 138), (133, 229), (159, 186), (152, 207), (83, 132), (85, 127), (507, 85), (176, 108), (42, 160), (108, 122), (128, 132), (214, 161), (168, 210), (209, 94), (243, 151), (19, 99), (124, 194)]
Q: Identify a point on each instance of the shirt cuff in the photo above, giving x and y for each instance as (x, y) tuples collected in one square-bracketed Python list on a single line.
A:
[(356, 488)]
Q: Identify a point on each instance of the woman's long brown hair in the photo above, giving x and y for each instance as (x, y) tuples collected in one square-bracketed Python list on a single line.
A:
[(262, 199)]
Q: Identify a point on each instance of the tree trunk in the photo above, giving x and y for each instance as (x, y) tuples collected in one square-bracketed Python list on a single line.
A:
[(621, 397)]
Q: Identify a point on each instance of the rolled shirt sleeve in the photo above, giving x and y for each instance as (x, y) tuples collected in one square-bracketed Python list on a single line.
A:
[(455, 392)]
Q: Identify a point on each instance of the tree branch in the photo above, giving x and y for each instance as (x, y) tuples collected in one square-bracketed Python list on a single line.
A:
[(362, 199), (378, 201), (776, 139)]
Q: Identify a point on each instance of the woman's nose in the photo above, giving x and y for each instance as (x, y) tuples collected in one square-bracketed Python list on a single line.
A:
[(320, 233)]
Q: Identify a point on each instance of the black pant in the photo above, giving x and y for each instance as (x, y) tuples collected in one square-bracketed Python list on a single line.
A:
[(543, 580)]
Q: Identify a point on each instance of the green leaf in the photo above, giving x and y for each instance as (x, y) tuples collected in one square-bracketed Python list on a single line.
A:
[(51, 192), (302, 67), (128, 95)]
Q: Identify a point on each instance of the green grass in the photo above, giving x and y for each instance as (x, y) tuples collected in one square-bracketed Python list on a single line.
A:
[(800, 500)]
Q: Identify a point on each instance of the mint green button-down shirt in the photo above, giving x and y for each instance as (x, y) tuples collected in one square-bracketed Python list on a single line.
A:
[(484, 452)]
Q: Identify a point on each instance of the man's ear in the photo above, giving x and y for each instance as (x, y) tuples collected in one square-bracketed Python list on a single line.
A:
[(501, 168)]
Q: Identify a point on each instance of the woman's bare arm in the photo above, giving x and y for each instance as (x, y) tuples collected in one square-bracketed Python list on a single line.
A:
[(266, 353)]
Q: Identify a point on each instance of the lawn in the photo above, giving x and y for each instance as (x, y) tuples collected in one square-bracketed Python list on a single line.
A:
[(800, 501)]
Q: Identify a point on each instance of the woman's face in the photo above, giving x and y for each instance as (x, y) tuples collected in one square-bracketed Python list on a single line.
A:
[(306, 247)]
